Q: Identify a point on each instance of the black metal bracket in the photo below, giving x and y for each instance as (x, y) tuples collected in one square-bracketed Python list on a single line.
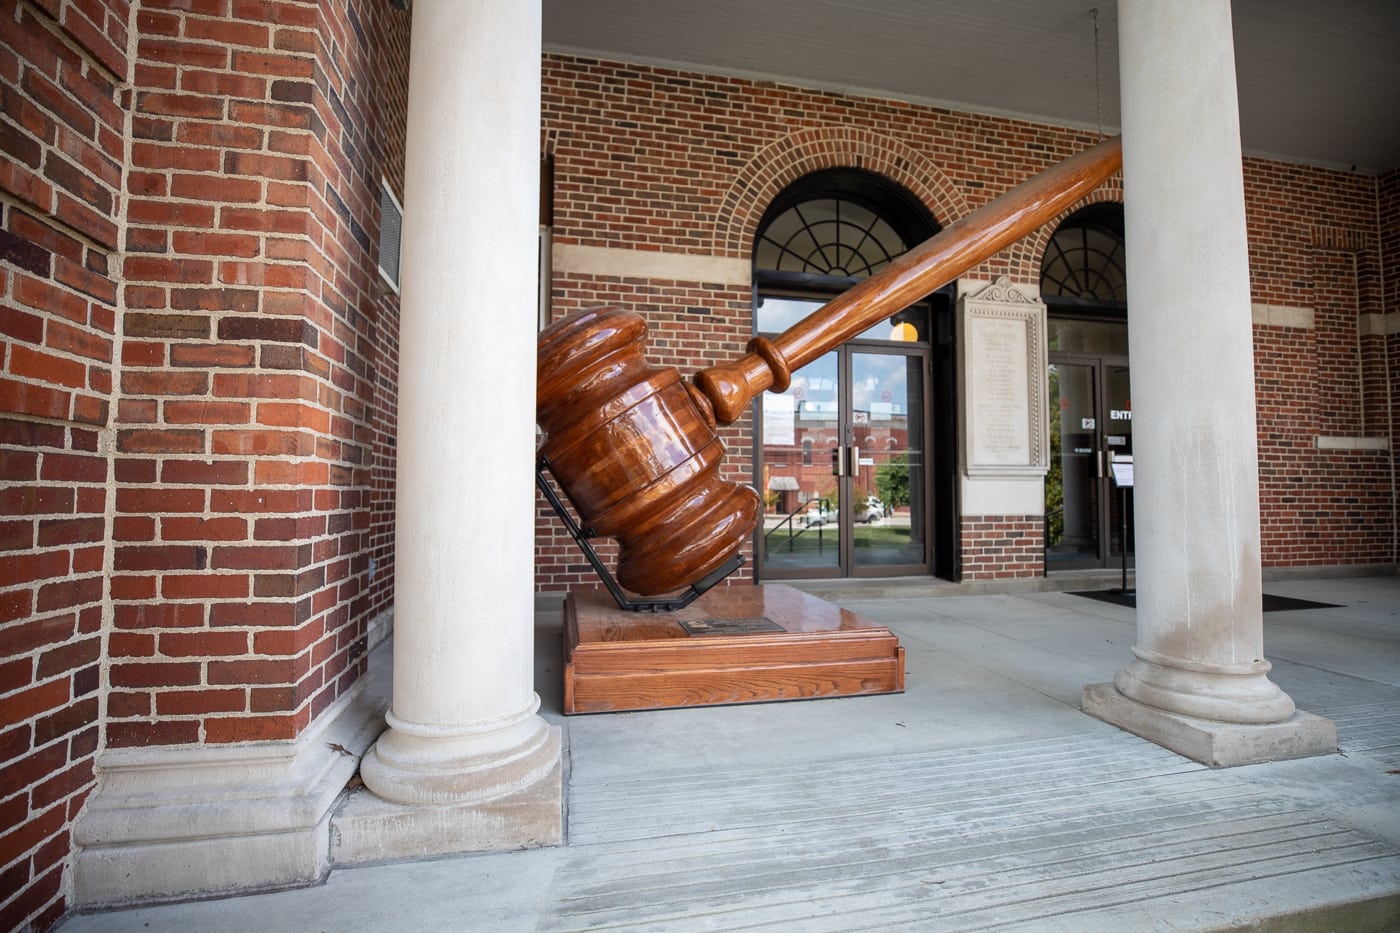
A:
[(582, 536)]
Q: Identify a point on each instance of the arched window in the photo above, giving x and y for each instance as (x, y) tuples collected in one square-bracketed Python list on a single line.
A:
[(839, 224), (822, 234), (825, 232), (1083, 265), (828, 236)]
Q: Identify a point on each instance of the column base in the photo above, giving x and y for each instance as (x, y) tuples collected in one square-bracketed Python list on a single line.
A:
[(368, 828), (1213, 743), (426, 765), (1241, 693), (176, 823)]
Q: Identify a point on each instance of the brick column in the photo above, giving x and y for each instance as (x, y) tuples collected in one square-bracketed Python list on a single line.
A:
[(62, 66), (1199, 683), (463, 724), (250, 332)]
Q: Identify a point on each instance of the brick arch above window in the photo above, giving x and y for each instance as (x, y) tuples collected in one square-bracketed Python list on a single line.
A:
[(785, 160), (1026, 254)]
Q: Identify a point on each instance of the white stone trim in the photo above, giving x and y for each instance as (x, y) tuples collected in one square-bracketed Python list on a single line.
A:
[(1218, 744), (1002, 495), (1378, 325), (651, 264), (366, 828), (1282, 316), (1352, 443), (215, 820), (1367, 325)]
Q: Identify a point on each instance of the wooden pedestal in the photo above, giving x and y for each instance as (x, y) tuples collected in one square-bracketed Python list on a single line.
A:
[(741, 644)]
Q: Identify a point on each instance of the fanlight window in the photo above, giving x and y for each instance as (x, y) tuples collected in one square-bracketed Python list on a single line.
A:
[(1084, 261), (827, 236)]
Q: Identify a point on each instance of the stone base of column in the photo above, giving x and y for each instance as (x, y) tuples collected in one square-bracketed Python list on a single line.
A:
[(368, 828), (1213, 743), (175, 823), (423, 764)]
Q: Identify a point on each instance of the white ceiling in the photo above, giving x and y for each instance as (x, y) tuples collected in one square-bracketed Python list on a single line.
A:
[(1319, 80)]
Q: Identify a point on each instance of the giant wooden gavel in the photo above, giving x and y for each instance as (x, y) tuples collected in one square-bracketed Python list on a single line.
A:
[(634, 447)]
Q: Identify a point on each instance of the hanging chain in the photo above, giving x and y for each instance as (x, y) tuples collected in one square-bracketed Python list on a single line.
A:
[(1098, 86)]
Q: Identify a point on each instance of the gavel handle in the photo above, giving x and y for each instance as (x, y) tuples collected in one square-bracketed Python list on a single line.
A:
[(730, 387)]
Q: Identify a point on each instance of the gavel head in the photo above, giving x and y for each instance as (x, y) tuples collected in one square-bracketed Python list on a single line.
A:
[(635, 450)]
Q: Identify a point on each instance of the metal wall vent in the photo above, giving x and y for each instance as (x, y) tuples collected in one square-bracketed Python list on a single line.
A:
[(390, 234)]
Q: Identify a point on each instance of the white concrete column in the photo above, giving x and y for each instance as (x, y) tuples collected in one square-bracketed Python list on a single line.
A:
[(463, 724), (1199, 651)]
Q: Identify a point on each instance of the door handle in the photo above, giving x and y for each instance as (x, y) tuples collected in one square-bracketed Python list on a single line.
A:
[(1098, 459), (845, 461)]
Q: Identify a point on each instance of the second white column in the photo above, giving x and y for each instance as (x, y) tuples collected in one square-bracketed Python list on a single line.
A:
[(1199, 650)]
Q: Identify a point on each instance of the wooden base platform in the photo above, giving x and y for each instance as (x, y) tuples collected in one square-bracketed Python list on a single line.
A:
[(741, 644)]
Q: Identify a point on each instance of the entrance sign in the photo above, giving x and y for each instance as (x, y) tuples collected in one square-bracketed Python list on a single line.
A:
[(1003, 356), (1122, 473), (1121, 466)]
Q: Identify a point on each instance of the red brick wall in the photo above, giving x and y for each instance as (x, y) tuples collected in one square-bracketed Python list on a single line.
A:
[(1314, 245), (1317, 507), (198, 391), (652, 159), (1388, 206), (1000, 547), (253, 416), (62, 66)]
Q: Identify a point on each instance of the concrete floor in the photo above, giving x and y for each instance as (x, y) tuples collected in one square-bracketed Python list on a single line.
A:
[(981, 798)]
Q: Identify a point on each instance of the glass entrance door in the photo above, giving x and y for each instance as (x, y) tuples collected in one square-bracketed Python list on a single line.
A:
[(802, 434), (1091, 425), (885, 464), (843, 473)]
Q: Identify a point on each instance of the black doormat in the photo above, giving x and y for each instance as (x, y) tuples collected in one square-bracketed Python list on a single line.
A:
[(1271, 603)]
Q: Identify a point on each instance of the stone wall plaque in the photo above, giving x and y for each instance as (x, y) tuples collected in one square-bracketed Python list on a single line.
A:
[(1002, 358)]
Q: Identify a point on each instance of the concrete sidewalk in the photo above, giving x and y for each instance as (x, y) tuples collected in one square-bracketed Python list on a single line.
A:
[(981, 798)]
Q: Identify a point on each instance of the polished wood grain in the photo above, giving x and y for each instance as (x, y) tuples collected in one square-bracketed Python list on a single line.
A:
[(635, 455), (634, 447), (617, 660)]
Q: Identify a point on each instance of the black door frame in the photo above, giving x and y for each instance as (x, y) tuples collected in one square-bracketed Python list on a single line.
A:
[(849, 567), (934, 520), (1106, 494)]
